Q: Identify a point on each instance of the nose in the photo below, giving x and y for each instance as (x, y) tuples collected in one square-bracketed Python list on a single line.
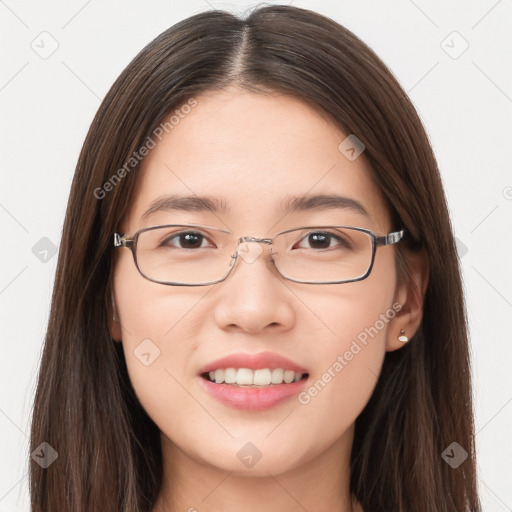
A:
[(254, 296)]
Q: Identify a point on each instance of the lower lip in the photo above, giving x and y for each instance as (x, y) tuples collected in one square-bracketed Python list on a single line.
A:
[(252, 399)]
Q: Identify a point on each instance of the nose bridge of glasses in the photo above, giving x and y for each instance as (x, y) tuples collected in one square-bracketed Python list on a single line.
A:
[(249, 253), (243, 239)]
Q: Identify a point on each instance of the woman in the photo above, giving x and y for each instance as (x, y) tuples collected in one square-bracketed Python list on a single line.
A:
[(258, 302)]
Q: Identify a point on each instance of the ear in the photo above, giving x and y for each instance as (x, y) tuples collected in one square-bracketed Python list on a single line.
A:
[(114, 323), (410, 295)]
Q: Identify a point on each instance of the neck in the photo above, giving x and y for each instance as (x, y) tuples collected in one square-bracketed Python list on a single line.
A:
[(320, 483)]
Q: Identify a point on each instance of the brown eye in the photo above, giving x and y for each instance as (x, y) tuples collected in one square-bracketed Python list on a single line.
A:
[(185, 240), (323, 240)]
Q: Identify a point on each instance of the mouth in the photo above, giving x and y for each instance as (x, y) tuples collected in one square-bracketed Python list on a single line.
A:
[(253, 382), (248, 378), (253, 390)]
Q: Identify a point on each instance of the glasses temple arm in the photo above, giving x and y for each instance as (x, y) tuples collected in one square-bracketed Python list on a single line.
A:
[(390, 238), (122, 241)]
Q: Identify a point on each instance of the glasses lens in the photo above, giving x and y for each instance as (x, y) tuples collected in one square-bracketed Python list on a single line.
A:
[(184, 254), (323, 254), (200, 255)]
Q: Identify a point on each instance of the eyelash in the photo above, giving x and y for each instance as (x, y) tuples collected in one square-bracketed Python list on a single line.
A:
[(331, 235), (183, 233), (305, 237)]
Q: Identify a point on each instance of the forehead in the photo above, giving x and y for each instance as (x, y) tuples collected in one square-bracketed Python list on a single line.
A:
[(252, 154)]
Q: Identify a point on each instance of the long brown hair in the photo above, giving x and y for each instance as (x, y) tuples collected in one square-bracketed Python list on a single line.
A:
[(85, 407)]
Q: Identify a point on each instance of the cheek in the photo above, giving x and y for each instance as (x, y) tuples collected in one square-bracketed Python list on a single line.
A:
[(360, 311), (159, 338), (157, 351), (349, 341), (150, 310)]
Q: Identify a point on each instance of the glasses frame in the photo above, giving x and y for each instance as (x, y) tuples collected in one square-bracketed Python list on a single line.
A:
[(131, 244)]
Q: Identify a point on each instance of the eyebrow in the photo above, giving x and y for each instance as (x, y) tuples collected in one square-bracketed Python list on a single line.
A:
[(219, 205), (186, 204), (323, 202)]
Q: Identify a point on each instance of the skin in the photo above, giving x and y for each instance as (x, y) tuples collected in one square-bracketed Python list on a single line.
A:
[(253, 150)]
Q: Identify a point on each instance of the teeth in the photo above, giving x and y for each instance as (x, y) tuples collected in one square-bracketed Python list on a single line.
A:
[(277, 376), (248, 377)]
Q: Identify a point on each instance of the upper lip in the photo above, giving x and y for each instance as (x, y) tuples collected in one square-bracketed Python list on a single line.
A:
[(254, 362)]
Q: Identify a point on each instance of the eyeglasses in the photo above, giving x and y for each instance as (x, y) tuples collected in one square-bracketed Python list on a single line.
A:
[(197, 255)]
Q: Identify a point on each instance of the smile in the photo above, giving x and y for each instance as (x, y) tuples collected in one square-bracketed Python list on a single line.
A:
[(253, 378)]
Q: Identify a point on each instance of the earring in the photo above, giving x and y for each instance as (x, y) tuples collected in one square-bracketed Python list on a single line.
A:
[(402, 337)]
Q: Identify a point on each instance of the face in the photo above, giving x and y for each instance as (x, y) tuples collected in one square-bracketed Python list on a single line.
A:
[(253, 152)]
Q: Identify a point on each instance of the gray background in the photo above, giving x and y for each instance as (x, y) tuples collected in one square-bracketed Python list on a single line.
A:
[(48, 100)]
